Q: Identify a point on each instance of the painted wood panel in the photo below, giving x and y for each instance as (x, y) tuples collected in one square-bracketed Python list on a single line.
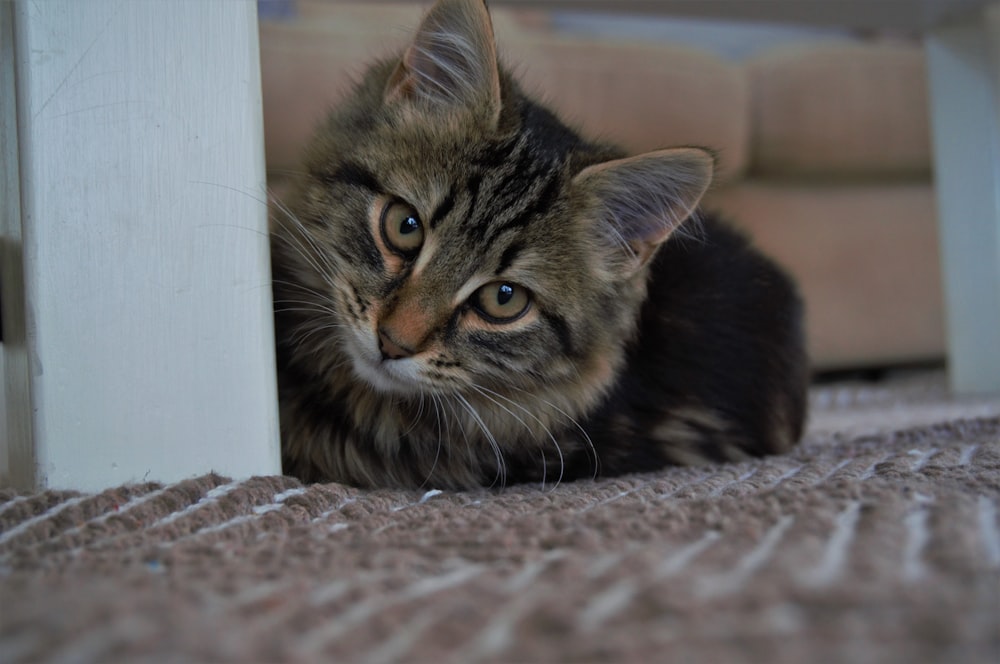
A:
[(147, 322), (964, 67)]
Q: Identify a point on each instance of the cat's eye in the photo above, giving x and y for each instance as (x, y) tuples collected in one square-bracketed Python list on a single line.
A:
[(501, 301), (402, 229)]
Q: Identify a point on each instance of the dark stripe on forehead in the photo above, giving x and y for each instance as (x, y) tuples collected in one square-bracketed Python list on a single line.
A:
[(542, 203), (473, 187), (516, 180), (509, 254), (444, 209), (509, 194), (351, 174)]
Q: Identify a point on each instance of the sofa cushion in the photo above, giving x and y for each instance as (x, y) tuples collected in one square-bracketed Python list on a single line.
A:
[(642, 96), (848, 111), (866, 259)]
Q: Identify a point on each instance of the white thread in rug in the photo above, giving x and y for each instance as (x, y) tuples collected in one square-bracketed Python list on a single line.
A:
[(423, 499), (38, 518), (290, 493), (683, 557), (212, 496), (698, 481), (530, 571), (313, 642), (123, 509), (255, 593), (833, 471), (835, 554), (965, 458), (788, 474), (498, 633), (606, 605), (16, 500), (729, 582), (329, 592), (716, 492), (401, 639), (917, 536), (333, 510), (617, 496), (603, 564), (921, 458), (870, 470), (278, 500), (987, 518), (97, 642), (257, 511)]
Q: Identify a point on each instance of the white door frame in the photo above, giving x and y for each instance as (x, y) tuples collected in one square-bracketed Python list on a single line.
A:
[(138, 341)]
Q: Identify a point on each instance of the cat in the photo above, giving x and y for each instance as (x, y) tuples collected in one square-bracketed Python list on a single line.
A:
[(468, 293)]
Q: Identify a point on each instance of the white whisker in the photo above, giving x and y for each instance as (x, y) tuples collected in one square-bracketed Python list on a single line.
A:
[(562, 461), (498, 453), (440, 442), (571, 420)]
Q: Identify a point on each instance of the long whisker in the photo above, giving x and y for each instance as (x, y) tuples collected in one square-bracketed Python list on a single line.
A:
[(304, 241), (417, 417), (512, 414), (440, 443), (572, 420), (292, 285), (303, 244), (460, 423), (306, 306), (303, 335), (486, 392), (501, 464)]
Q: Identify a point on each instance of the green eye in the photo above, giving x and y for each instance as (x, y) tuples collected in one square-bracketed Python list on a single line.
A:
[(501, 302), (402, 229)]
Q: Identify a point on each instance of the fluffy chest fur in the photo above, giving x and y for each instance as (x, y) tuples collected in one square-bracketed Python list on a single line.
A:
[(469, 293)]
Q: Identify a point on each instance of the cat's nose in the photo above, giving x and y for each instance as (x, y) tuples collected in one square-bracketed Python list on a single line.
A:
[(390, 349)]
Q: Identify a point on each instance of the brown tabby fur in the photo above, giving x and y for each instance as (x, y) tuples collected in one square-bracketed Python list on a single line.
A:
[(650, 338)]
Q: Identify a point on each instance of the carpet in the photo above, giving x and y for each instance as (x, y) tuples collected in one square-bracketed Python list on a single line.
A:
[(878, 539)]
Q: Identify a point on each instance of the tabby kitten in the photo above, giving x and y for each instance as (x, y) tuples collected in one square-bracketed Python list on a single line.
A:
[(468, 293)]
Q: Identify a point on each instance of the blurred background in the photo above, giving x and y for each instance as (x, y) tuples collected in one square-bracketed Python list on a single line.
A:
[(822, 132)]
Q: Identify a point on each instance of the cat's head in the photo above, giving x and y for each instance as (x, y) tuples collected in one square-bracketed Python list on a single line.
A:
[(453, 236)]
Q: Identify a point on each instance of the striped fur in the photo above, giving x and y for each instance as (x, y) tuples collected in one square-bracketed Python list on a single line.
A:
[(596, 376)]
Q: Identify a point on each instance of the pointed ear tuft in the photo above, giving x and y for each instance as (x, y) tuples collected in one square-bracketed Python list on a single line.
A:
[(639, 201), (451, 63)]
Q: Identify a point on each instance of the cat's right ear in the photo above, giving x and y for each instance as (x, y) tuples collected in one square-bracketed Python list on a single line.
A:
[(638, 202), (451, 64)]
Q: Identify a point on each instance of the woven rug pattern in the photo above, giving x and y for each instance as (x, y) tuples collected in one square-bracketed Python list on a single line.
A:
[(878, 539)]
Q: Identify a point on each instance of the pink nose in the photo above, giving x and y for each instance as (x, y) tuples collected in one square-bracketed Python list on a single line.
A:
[(389, 348)]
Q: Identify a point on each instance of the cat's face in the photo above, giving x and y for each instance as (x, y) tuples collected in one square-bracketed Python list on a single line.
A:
[(454, 237), (462, 264)]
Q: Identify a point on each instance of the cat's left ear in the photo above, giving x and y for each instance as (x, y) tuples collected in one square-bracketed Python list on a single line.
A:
[(451, 63), (639, 201)]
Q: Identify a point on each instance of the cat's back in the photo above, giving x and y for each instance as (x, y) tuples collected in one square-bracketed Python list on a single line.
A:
[(718, 369)]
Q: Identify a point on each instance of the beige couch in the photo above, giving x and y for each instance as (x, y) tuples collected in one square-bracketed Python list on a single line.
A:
[(824, 149)]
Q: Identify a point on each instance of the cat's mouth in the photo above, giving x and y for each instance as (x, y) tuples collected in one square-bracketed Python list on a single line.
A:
[(399, 377)]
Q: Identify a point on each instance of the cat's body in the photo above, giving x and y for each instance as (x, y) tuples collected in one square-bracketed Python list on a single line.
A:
[(468, 293)]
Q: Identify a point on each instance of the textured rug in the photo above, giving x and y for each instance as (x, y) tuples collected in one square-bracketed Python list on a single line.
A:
[(876, 540)]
